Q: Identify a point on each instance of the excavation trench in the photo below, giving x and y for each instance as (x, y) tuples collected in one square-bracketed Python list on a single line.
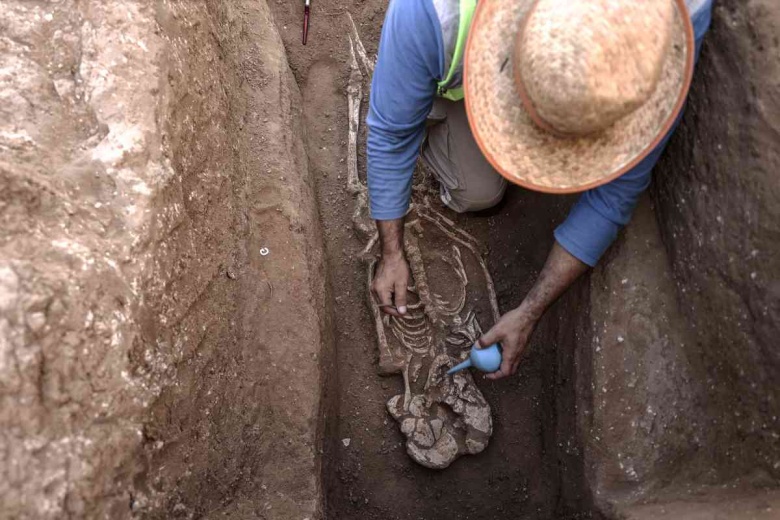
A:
[(185, 328), (189, 349), (367, 472)]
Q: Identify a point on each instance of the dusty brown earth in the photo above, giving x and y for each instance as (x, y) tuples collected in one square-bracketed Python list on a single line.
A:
[(719, 210), (161, 273), (183, 322), (76, 171), (677, 367), (619, 398), (238, 432)]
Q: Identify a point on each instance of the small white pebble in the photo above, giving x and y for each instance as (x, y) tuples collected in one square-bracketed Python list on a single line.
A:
[(620, 339), (346, 442)]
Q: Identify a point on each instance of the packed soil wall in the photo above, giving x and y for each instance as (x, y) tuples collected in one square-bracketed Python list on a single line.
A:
[(676, 372), (161, 284), (718, 199)]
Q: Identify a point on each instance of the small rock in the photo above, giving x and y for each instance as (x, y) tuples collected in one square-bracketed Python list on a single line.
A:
[(346, 442), (36, 321)]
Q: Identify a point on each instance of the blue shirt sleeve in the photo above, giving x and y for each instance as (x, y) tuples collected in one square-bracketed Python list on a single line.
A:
[(598, 215), (410, 62)]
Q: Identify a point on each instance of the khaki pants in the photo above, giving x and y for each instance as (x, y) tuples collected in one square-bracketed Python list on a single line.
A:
[(467, 181)]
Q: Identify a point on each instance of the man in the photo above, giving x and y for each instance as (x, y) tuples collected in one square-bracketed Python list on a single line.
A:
[(562, 96)]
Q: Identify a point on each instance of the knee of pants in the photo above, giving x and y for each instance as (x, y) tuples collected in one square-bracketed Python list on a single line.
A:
[(477, 200)]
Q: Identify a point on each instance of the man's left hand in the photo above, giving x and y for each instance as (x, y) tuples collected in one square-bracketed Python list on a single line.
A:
[(513, 331)]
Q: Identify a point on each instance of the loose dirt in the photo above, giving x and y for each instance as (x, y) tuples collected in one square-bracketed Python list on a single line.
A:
[(367, 472)]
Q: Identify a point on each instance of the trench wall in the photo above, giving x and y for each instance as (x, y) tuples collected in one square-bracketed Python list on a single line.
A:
[(718, 196), (150, 355), (676, 372)]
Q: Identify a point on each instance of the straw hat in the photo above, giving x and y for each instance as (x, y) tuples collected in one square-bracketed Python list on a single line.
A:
[(566, 95)]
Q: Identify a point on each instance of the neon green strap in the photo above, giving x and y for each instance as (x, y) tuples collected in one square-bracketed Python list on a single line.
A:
[(467, 8)]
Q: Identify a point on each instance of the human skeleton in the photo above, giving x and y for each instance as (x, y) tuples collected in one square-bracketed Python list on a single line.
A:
[(442, 417)]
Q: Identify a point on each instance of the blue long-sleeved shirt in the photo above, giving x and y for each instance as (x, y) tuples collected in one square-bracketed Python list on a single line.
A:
[(410, 63)]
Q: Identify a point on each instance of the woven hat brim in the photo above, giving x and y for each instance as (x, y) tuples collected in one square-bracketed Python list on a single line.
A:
[(531, 157)]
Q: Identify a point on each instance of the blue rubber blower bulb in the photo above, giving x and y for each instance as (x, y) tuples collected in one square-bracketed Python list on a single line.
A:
[(483, 359)]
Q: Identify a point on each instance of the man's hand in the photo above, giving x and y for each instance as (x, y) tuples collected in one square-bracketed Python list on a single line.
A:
[(512, 331), (391, 277)]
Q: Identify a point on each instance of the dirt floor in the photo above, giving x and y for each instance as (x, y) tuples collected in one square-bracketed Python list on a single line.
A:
[(373, 477)]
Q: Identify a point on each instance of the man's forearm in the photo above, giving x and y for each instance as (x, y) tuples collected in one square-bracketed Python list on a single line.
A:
[(559, 272), (391, 236)]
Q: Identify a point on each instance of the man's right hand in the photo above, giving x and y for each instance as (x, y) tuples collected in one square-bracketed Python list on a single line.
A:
[(391, 277)]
